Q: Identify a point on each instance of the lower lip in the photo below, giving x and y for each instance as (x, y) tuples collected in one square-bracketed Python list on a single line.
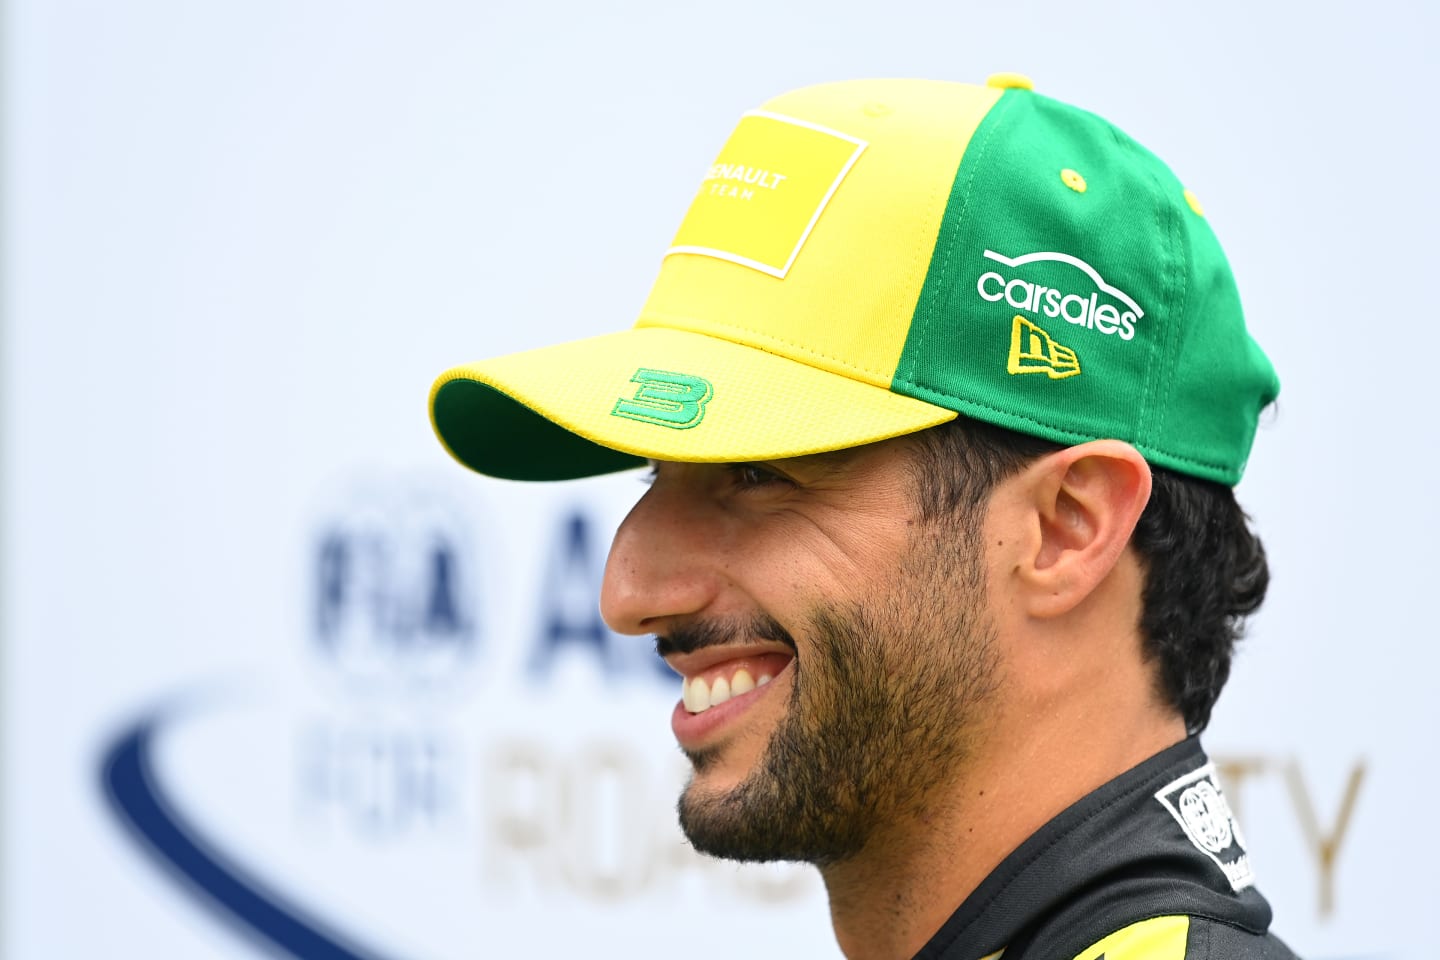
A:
[(692, 730)]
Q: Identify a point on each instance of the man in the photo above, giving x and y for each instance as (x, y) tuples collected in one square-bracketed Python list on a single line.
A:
[(944, 389)]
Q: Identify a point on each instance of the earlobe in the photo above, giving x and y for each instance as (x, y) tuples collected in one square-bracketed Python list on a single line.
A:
[(1087, 500)]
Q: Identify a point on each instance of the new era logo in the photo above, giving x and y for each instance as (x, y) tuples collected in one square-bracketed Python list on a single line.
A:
[(1032, 350)]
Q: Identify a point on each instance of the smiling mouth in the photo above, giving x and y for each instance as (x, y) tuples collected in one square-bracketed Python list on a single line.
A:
[(727, 681)]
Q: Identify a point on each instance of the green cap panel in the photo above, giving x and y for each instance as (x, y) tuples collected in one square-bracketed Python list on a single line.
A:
[(1075, 294), (1219, 379)]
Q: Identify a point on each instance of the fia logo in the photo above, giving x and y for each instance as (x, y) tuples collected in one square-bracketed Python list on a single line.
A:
[(394, 593)]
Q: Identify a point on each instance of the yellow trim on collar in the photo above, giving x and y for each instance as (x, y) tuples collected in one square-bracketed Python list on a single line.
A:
[(1160, 938)]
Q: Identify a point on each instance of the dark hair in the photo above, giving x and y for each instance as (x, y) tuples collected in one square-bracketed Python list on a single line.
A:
[(1205, 571)]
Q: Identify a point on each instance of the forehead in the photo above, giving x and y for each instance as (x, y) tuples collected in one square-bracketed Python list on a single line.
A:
[(894, 452)]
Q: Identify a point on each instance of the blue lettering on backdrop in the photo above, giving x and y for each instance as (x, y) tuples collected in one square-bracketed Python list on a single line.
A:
[(379, 781), (362, 596), (393, 596), (332, 574), (442, 614), (394, 606), (570, 609)]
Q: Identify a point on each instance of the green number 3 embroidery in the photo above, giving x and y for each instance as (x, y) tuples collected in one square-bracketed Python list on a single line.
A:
[(674, 400)]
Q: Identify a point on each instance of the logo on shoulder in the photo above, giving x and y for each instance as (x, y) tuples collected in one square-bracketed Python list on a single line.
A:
[(1080, 295), (674, 400), (1032, 350), (1199, 806)]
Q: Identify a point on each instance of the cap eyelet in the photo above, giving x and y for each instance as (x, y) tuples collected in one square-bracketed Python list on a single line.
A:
[(1073, 180)]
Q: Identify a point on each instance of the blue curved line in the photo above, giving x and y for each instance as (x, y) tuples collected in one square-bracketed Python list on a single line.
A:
[(138, 801)]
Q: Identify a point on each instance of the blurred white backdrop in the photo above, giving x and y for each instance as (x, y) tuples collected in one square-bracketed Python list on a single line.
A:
[(241, 239)]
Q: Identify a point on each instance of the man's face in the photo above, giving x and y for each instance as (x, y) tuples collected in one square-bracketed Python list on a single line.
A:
[(835, 646)]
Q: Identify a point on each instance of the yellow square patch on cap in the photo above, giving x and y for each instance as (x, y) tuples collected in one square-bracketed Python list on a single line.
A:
[(762, 196)]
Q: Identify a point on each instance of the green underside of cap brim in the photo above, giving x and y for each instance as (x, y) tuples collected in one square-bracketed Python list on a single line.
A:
[(516, 442)]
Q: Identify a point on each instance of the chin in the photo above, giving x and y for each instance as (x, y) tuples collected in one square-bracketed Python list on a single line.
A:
[(713, 774)]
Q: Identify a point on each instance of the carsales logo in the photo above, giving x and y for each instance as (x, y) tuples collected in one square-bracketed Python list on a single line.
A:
[(1087, 310)]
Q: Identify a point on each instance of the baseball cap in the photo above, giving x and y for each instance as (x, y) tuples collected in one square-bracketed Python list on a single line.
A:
[(871, 258)]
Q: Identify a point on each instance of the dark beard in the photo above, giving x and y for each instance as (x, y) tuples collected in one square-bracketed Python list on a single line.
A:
[(878, 717)]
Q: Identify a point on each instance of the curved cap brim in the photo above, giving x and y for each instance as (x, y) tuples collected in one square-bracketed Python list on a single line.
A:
[(653, 393)]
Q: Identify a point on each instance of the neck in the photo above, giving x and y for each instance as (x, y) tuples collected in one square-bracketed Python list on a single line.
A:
[(1075, 706), (886, 902)]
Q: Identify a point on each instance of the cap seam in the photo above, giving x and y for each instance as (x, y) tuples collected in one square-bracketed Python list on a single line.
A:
[(1181, 332), (994, 115), (1174, 334), (936, 191), (1163, 451), (745, 337), (1159, 315)]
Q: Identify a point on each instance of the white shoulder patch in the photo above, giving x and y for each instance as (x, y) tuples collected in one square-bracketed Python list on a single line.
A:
[(1198, 804)]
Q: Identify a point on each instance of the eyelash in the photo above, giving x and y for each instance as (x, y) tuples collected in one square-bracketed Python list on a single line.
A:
[(753, 476), (744, 476)]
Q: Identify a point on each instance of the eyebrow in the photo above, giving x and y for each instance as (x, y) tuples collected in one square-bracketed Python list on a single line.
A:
[(826, 461), (825, 458)]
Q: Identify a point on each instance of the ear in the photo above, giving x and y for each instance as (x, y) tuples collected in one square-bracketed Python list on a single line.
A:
[(1085, 501)]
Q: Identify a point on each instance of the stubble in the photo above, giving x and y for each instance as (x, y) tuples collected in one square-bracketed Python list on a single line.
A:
[(880, 715)]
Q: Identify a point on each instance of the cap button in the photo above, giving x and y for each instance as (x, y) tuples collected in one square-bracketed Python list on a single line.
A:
[(1009, 81)]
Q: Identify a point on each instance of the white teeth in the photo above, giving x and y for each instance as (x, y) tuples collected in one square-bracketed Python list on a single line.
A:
[(696, 695), (699, 696)]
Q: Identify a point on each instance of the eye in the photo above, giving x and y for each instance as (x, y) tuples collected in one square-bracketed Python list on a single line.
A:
[(754, 476)]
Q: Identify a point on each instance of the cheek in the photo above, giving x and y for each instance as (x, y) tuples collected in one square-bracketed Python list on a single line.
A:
[(796, 571), (1003, 550)]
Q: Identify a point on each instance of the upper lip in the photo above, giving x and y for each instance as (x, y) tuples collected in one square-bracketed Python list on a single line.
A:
[(689, 664)]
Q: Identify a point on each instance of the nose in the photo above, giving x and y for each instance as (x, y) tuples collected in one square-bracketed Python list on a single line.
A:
[(662, 563)]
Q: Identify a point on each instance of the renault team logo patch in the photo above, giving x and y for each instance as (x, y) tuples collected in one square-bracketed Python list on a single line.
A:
[(1032, 350), (674, 400), (762, 196), (1198, 805)]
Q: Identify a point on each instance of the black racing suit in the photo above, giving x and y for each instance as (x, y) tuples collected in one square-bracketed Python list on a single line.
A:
[(1151, 866)]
